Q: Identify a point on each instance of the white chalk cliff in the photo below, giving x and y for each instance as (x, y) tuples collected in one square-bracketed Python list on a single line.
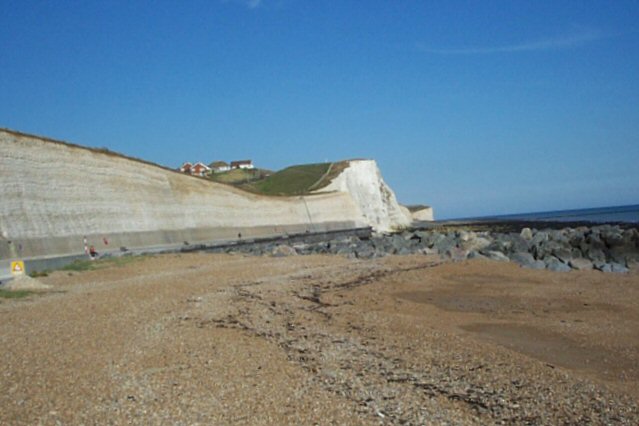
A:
[(52, 194), (374, 198)]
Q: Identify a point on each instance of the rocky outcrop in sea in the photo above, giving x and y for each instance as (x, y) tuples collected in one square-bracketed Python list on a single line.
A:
[(607, 248)]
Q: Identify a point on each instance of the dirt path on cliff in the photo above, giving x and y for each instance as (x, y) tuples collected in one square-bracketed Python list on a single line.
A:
[(221, 339)]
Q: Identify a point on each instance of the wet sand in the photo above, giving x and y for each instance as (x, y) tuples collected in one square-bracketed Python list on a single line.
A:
[(219, 339)]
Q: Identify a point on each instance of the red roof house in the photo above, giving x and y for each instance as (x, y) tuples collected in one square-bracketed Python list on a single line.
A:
[(200, 169), (186, 167)]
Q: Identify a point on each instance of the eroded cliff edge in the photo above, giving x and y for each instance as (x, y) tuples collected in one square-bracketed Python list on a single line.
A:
[(374, 198), (53, 194)]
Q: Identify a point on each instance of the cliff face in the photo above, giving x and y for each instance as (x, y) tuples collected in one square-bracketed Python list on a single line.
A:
[(374, 198), (424, 213), (53, 194)]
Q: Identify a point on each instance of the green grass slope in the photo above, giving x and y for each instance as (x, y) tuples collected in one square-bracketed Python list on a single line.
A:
[(240, 176), (297, 180), (294, 180)]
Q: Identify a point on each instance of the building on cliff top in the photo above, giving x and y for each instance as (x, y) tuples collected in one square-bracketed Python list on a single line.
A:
[(242, 164), (200, 169), (197, 169), (186, 167), (220, 166)]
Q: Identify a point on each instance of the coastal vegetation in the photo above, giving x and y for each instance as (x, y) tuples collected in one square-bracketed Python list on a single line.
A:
[(91, 265), (294, 180), (240, 177), (14, 294)]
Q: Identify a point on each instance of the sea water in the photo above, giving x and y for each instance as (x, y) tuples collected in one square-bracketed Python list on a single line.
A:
[(628, 214)]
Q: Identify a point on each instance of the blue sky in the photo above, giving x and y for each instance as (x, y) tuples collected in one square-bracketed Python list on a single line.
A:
[(474, 107)]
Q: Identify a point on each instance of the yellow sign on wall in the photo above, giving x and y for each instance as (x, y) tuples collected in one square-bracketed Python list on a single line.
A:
[(17, 267)]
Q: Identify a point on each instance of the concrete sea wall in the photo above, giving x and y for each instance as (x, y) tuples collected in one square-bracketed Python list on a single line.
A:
[(53, 194)]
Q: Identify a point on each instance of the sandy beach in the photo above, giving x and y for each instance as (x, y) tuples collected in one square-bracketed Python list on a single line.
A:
[(231, 339)]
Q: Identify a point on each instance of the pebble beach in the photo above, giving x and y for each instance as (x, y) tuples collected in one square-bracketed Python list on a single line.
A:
[(208, 338)]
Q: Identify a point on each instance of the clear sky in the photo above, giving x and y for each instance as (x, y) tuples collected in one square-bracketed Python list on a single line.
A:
[(474, 107)]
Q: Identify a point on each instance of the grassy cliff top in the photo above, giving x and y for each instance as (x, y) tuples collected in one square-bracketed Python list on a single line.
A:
[(293, 180), (238, 177)]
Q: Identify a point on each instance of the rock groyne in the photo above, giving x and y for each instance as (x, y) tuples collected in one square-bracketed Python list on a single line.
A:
[(607, 248)]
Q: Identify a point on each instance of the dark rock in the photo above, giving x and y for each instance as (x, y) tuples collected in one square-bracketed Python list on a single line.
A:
[(497, 255), (404, 251), (463, 236), (339, 246), (556, 265), (256, 249), (356, 239), (546, 248), (527, 260), (558, 236), (576, 239), (518, 243), (320, 249), (427, 251), (619, 268), (398, 242), (475, 244), (631, 240), (580, 264), (538, 264), (499, 244), (606, 248), (538, 238), (446, 244), (381, 244), (619, 255), (563, 253), (457, 254), (407, 235), (344, 251), (593, 241), (576, 253), (610, 267), (300, 247), (476, 255), (613, 238), (602, 266), (381, 253), (435, 238), (365, 252), (510, 243), (595, 254), (423, 235)]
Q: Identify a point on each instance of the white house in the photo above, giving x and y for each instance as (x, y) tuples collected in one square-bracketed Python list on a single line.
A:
[(220, 166), (242, 164)]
